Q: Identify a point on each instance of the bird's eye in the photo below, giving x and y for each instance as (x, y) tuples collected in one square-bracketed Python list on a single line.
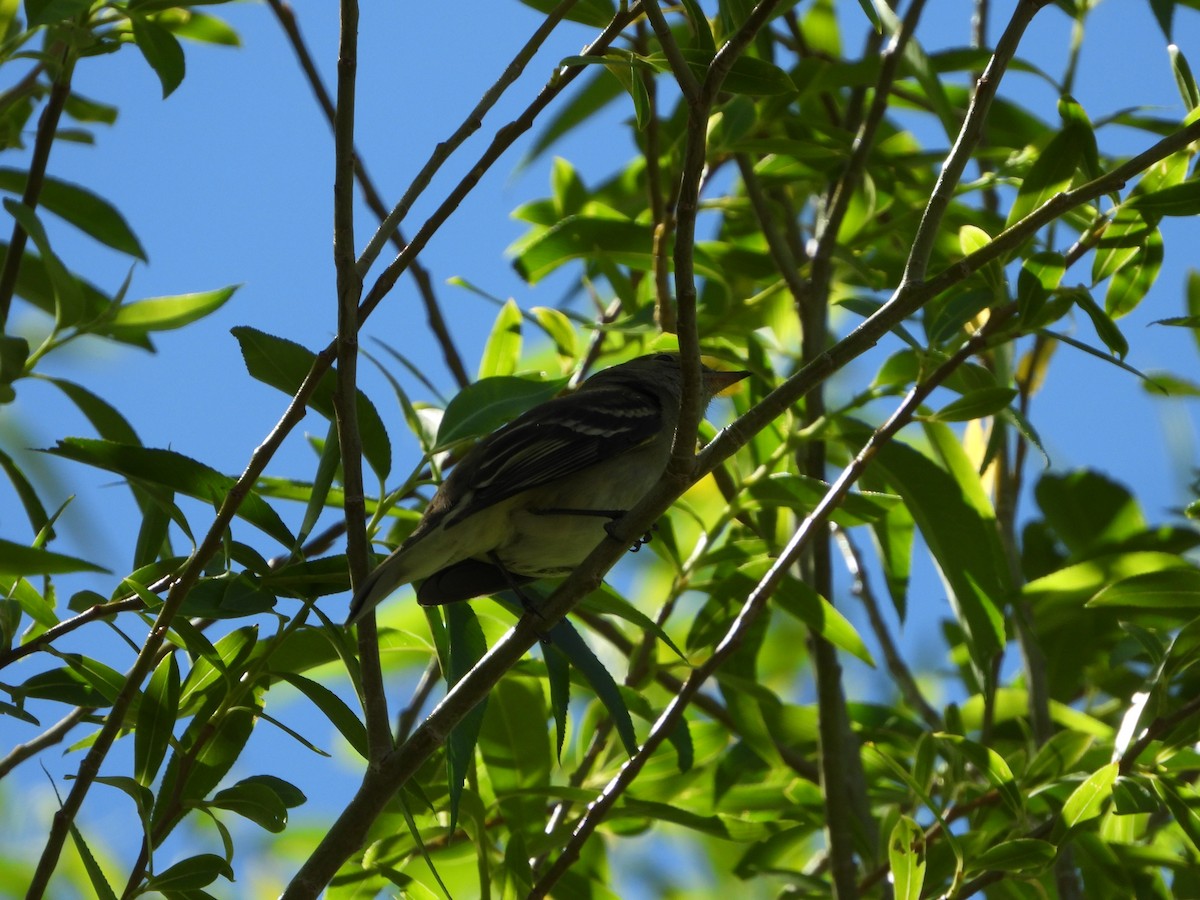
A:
[(664, 357)]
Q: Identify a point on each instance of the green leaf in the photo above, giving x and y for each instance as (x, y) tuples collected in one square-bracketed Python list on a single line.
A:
[(992, 766), (1184, 79), (1054, 167), (156, 717), (22, 561), (161, 50), (482, 407), (567, 639), (68, 295), (228, 596), (594, 13), (1169, 590), (203, 28), (943, 493), (177, 472), (47, 12), (34, 510), (191, 874), (14, 352), (975, 405), (1106, 328), (1182, 808), (801, 492), (1132, 282), (167, 313), (1088, 510), (516, 750), (906, 854), (255, 801), (1086, 800), (1176, 200), (102, 890), (105, 418), (1017, 855), (224, 740), (559, 328), (1040, 276), (89, 213), (284, 364), (1164, 11), (700, 27), (748, 75), (502, 352), (558, 676), (334, 709), (467, 646)]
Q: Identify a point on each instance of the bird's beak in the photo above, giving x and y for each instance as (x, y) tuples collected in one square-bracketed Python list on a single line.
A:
[(723, 384)]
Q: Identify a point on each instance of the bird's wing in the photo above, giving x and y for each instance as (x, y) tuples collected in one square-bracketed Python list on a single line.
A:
[(555, 440)]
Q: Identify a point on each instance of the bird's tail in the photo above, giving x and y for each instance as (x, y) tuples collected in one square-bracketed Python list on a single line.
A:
[(376, 587)]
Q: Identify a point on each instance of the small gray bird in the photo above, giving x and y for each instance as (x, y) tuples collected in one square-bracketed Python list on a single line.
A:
[(532, 499)]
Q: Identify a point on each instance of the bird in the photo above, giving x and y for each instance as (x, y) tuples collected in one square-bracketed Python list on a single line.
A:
[(534, 498)]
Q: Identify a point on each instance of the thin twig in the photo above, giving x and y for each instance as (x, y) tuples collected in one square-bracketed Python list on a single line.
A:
[(48, 738)]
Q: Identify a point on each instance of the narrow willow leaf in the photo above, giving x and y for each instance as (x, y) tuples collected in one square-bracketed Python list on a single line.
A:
[(700, 27), (559, 328), (951, 509), (975, 405), (104, 417), (906, 854), (100, 886), (558, 674), (167, 313), (47, 12), (89, 213), (157, 713), (1184, 79), (34, 510), (175, 471), (22, 560), (1053, 169), (255, 801), (334, 708), (1132, 282), (1183, 808), (1106, 328), (502, 352), (161, 50), (992, 766), (1170, 590), (1087, 800), (598, 678), (69, 304), (284, 365), (1017, 855), (482, 407), (594, 13), (466, 647), (515, 748), (191, 874)]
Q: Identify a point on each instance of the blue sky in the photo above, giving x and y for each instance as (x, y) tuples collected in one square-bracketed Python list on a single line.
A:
[(228, 181)]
